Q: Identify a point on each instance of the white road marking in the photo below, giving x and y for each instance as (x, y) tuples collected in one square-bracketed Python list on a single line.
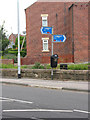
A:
[(82, 111), (36, 110), (4, 100), (44, 110), (15, 100)]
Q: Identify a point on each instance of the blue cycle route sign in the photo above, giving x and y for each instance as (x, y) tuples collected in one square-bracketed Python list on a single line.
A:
[(46, 30), (59, 38)]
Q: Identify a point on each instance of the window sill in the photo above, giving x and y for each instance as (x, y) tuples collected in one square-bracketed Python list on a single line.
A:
[(45, 51)]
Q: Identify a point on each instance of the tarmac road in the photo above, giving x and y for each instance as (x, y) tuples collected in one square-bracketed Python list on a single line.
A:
[(37, 103)]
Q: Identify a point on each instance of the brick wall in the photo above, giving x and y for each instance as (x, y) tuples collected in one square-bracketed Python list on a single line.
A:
[(80, 32), (73, 49), (7, 61)]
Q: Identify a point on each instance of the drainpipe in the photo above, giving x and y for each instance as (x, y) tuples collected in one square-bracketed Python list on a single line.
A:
[(72, 36)]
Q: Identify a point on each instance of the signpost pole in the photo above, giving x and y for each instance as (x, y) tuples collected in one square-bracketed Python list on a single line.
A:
[(52, 54), (52, 40)]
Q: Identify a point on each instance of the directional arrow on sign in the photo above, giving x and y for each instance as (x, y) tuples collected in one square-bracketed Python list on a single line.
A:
[(46, 30), (59, 38)]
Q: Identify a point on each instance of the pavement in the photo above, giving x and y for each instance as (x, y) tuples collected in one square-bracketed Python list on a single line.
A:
[(50, 84)]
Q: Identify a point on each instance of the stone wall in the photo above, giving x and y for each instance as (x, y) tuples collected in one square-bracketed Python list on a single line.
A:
[(46, 74)]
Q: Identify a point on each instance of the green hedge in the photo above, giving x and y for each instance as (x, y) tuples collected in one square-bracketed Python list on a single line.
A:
[(22, 53), (13, 52)]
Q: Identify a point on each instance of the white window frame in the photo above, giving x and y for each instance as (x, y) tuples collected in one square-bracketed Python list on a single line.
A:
[(44, 20), (45, 41)]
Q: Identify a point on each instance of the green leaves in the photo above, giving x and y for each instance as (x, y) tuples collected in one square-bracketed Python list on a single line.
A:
[(4, 42), (21, 40), (78, 67), (38, 66)]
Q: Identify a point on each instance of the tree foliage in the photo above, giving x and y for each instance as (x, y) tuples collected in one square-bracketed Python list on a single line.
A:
[(4, 42), (23, 51), (21, 40)]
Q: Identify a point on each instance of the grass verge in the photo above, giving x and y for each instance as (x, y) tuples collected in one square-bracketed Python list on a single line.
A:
[(39, 66)]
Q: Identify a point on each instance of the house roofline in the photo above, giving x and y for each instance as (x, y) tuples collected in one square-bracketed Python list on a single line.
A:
[(30, 5)]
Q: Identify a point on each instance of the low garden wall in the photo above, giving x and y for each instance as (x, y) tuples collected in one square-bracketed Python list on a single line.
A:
[(7, 61), (46, 74)]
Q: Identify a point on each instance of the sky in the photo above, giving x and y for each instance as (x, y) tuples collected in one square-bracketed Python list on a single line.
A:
[(8, 13)]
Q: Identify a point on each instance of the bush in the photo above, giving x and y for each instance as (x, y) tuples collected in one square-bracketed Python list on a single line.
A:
[(48, 66), (10, 56), (23, 53), (1, 53), (38, 66), (14, 46)]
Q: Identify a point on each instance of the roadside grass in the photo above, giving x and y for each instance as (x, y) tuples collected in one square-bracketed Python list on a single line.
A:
[(78, 67), (39, 66), (7, 66), (48, 66), (72, 66), (11, 66)]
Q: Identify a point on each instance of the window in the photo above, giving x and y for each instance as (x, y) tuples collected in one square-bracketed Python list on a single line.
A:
[(45, 44), (44, 19)]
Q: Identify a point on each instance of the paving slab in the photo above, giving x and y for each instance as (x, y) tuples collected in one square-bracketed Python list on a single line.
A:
[(53, 84)]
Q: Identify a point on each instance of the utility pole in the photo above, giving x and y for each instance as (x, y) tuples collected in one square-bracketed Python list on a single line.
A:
[(19, 70)]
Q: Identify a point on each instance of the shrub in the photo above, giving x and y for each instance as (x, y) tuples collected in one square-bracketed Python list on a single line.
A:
[(10, 56), (23, 53), (1, 53), (38, 66), (48, 66), (14, 46)]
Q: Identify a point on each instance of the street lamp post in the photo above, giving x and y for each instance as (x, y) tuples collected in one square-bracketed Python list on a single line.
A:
[(19, 70)]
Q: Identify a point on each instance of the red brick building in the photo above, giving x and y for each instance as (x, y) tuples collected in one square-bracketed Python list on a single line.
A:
[(69, 19), (13, 37)]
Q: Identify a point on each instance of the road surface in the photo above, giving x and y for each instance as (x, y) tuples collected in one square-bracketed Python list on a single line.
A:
[(29, 102)]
